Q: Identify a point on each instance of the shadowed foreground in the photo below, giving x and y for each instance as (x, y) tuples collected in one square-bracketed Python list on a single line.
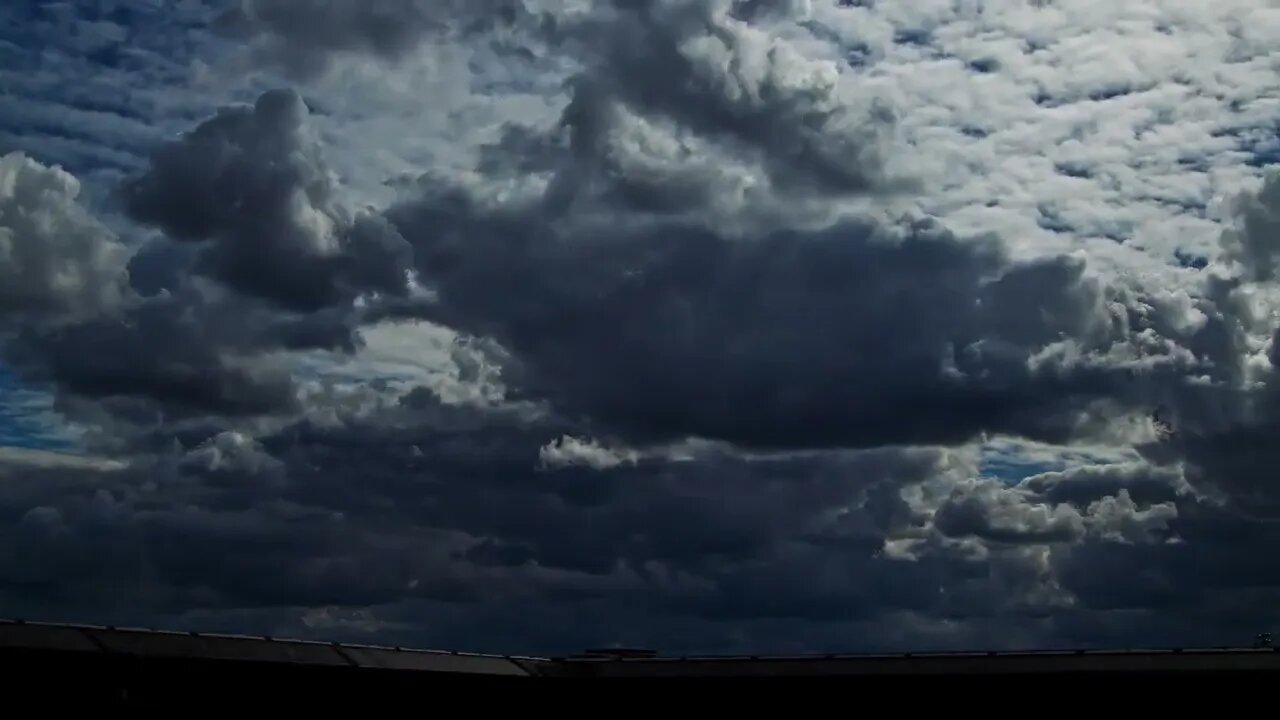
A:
[(142, 666)]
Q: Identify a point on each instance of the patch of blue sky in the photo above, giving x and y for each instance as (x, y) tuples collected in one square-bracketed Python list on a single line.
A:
[(28, 418), (1266, 151), (1012, 461), (1013, 469), (1256, 137)]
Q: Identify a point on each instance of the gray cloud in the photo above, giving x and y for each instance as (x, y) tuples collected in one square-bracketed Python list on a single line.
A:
[(56, 259), (251, 185), (696, 64), (1221, 428), (1066, 508), (1000, 515), (245, 198), (702, 64), (851, 335), (1255, 243), (189, 351), (771, 9), (160, 353), (1214, 566), (683, 255), (207, 523), (453, 525), (667, 246), (1087, 484), (453, 513)]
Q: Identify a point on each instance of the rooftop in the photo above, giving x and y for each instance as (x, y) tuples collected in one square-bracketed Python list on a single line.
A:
[(60, 642)]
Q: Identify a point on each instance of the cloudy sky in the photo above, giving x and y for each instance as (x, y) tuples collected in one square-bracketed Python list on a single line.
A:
[(702, 325)]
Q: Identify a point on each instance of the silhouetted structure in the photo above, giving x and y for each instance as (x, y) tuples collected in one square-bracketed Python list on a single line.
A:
[(114, 664)]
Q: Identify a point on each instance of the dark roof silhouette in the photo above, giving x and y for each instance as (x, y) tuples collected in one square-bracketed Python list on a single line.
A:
[(147, 666)]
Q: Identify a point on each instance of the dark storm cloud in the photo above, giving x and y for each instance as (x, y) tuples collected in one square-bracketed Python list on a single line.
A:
[(454, 524), (672, 279), (717, 536), (75, 324), (1212, 572), (656, 260), (168, 350), (853, 335), (245, 198), (451, 509), (164, 545), (180, 354), (1232, 460), (252, 187), (221, 524), (451, 506), (708, 515)]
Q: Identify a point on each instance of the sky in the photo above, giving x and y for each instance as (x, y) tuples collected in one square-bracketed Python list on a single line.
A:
[(708, 326)]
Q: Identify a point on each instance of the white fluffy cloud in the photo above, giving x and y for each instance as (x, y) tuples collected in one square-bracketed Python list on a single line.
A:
[(1074, 124)]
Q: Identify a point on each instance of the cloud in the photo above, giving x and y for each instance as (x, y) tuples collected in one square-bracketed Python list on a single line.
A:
[(182, 353), (1219, 429), (696, 64), (205, 524), (568, 451), (708, 325), (56, 260), (1084, 485), (1255, 244), (230, 453), (251, 186), (301, 36), (92, 87), (130, 341), (244, 200), (673, 213), (999, 515), (452, 520), (852, 334), (46, 459)]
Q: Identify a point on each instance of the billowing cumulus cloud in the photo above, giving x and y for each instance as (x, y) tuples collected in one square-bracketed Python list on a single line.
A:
[(245, 199), (56, 259), (252, 186), (639, 270), (715, 74), (711, 325), (1223, 437), (823, 335), (454, 518)]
